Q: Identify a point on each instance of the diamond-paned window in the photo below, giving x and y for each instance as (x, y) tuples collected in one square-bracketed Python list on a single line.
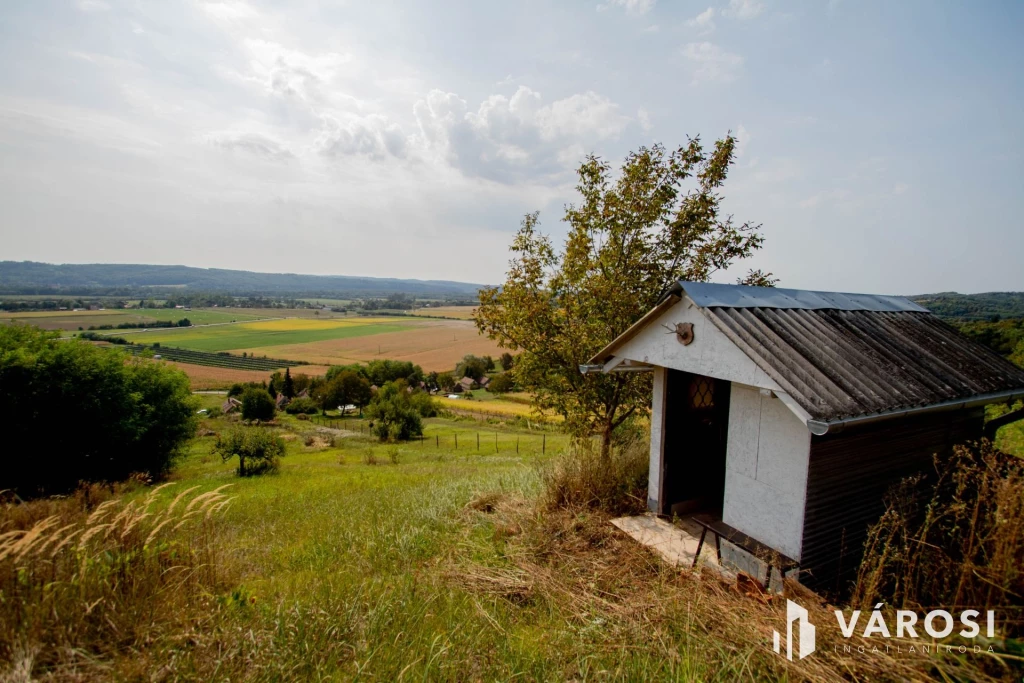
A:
[(702, 392)]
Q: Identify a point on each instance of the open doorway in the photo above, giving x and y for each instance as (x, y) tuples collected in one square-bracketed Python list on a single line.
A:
[(696, 427)]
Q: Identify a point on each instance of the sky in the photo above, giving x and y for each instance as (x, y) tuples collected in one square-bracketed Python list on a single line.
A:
[(879, 143)]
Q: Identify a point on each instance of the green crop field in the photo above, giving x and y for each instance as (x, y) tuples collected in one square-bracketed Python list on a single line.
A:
[(72, 320), (261, 334)]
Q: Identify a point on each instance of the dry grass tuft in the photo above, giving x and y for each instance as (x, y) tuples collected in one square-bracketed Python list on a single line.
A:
[(576, 564), (583, 479), (318, 442), (86, 582)]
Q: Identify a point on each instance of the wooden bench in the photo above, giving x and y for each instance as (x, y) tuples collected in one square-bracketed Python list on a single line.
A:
[(770, 556)]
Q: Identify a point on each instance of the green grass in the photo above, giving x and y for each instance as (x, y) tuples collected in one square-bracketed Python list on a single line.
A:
[(231, 337)]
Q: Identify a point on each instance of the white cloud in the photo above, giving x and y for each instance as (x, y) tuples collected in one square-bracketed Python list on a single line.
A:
[(712, 63), (373, 136), (631, 6), (250, 143), (743, 9), (703, 22), (509, 137)]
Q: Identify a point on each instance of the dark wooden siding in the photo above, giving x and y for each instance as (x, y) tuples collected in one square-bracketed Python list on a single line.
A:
[(848, 476)]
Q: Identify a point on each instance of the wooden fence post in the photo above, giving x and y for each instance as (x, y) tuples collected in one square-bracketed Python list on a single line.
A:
[(544, 444)]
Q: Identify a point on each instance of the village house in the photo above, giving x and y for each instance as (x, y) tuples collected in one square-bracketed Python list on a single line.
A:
[(787, 415)]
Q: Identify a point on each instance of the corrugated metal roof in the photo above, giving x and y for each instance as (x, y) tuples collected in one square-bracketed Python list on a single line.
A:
[(708, 294), (839, 363)]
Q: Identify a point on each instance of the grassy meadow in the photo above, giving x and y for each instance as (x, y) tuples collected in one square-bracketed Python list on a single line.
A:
[(359, 560), (266, 333)]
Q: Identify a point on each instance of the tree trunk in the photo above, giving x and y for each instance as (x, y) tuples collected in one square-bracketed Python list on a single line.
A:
[(606, 442)]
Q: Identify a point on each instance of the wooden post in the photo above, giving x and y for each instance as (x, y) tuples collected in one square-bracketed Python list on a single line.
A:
[(495, 442), (437, 440), (517, 445), (544, 443), (478, 440), (456, 441)]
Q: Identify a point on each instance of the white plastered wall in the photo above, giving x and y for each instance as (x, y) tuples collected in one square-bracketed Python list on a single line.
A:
[(766, 470), (768, 445), (710, 353)]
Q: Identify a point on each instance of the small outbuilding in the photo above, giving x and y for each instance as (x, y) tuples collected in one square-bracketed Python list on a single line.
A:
[(789, 414)]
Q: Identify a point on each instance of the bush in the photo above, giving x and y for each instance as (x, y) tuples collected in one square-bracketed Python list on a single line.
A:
[(88, 413), (393, 415), (582, 478), (423, 403), (304, 406), (957, 542), (502, 383), (257, 404), (258, 449)]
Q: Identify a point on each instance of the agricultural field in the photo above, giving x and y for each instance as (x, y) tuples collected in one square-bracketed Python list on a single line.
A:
[(72, 320), (432, 344), (267, 333), (461, 312), (206, 378)]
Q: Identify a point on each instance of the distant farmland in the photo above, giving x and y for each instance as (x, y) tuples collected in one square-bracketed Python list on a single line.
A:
[(267, 333), (72, 320), (325, 340)]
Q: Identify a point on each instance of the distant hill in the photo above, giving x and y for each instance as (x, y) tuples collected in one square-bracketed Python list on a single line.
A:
[(30, 277), (973, 306)]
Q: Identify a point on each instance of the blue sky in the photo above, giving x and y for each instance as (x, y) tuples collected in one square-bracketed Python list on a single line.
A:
[(880, 142)]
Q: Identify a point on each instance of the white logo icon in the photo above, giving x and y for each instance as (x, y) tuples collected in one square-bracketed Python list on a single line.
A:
[(795, 612)]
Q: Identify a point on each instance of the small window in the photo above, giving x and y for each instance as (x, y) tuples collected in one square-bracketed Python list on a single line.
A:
[(702, 393)]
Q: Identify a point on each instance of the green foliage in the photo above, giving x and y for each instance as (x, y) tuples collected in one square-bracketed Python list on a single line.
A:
[(393, 415), (445, 381), (302, 406), (1017, 356), (1002, 336), (506, 361), (342, 388), (90, 414), (473, 366), (257, 404), (502, 383), (424, 404), (988, 306), (258, 449), (288, 384), (631, 236)]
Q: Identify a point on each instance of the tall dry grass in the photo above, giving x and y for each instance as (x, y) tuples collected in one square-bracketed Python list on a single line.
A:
[(649, 621), (90, 581), (582, 478), (958, 543)]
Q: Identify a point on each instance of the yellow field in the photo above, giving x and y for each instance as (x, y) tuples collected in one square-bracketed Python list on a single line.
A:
[(301, 324), (433, 345), (493, 407)]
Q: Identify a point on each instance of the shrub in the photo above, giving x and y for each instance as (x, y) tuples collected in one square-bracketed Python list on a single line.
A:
[(304, 405), (583, 478), (957, 542), (102, 414), (258, 449), (257, 404), (393, 416), (423, 403), (502, 383)]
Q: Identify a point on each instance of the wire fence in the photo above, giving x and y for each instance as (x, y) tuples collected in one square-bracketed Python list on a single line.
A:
[(470, 441)]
